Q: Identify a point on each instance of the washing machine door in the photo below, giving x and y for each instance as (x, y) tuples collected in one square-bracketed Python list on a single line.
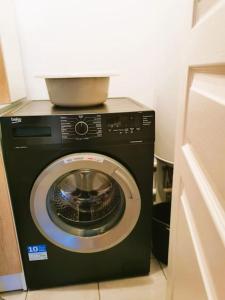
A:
[(85, 202)]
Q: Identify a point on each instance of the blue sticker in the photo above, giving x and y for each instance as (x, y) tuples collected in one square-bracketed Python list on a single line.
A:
[(37, 252)]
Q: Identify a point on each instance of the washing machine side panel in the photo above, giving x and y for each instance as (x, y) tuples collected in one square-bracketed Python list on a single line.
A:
[(128, 258)]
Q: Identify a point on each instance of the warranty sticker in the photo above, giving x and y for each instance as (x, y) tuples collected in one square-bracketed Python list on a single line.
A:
[(37, 252)]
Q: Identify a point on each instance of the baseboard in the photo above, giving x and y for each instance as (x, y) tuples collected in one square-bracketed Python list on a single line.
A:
[(12, 282)]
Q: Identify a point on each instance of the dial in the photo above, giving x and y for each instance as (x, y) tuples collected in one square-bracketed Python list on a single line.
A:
[(81, 128)]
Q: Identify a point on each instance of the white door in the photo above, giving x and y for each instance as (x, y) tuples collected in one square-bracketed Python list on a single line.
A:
[(197, 242)]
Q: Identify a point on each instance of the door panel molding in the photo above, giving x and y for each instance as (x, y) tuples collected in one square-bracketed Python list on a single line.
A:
[(203, 267), (202, 7), (205, 46), (210, 231), (205, 189), (186, 259)]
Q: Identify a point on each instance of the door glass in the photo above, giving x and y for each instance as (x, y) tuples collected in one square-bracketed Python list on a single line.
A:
[(85, 202)]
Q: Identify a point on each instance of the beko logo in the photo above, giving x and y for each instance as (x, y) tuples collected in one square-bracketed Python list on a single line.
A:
[(16, 120)]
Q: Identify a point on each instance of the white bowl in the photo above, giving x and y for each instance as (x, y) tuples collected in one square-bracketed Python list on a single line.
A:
[(78, 90)]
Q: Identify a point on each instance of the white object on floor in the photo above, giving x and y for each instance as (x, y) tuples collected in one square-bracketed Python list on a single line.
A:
[(18, 295), (12, 282)]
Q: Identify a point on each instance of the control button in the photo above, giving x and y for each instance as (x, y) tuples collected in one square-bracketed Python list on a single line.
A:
[(81, 128)]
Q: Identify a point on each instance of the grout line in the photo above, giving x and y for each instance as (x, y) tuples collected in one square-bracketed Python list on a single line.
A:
[(164, 273), (99, 295), (26, 295), (162, 268)]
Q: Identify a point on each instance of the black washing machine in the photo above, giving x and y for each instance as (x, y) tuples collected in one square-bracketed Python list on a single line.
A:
[(81, 188)]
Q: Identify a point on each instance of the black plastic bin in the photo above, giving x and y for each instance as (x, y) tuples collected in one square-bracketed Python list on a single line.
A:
[(161, 231)]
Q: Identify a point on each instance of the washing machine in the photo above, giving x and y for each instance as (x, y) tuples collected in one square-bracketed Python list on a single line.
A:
[(80, 182)]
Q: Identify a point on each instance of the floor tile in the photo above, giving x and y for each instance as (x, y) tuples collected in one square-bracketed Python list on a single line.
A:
[(18, 295), (151, 287), (81, 292)]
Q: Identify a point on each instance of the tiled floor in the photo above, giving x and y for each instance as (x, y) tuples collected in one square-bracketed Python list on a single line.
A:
[(152, 287), (164, 269)]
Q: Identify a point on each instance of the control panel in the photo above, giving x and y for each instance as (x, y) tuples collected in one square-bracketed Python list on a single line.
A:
[(128, 123), (108, 126), (80, 127)]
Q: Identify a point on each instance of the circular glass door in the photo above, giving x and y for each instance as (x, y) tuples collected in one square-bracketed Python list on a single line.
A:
[(85, 202)]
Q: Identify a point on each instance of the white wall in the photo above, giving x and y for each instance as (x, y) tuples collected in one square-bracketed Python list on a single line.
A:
[(88, 35), (170, 37), (139, 39)]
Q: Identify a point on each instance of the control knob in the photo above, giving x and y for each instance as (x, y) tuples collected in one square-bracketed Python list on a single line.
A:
[(81, 128)]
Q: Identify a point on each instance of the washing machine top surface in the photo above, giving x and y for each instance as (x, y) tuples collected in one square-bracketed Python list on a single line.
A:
[(45, 107), (39, 122)]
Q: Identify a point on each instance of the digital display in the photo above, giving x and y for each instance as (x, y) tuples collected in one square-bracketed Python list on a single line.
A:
[(125, 121), (32, 131)]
